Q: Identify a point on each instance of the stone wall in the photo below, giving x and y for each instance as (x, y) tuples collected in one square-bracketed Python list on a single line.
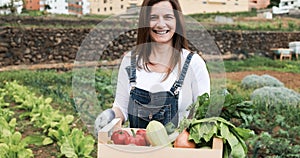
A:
[(28, 46), (47, 21)]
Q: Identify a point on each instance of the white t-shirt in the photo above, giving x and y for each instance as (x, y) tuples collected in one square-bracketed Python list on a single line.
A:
[(196, 83)]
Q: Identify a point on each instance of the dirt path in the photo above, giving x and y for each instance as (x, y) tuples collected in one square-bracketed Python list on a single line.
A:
[(290, 80)]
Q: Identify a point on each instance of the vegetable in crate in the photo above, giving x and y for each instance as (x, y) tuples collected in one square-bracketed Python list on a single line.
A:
[(199, 108), (119, 136), (182, 140), (135, 139), (202, 130), (233, 107), (142, 132), (157, 134)]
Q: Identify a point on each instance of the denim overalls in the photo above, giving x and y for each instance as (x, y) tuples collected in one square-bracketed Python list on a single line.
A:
[(145, 106)]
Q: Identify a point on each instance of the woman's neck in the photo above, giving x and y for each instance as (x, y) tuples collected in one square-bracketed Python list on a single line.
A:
[(161, 53), (160, 58)]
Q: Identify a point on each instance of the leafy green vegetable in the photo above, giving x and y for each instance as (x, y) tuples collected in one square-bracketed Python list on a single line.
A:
[(11, 143), (202, 130), (77, 145), (199, 108), (233, 107)]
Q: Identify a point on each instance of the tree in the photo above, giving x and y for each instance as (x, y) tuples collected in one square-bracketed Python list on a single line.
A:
[(47, 7), (5, 6), (274, 3), (12, 7)]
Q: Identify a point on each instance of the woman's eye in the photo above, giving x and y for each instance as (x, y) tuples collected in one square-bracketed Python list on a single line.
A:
[(169, 17), (153, 17)]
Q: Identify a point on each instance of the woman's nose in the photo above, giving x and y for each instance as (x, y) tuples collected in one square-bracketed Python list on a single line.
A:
[(161, 22)]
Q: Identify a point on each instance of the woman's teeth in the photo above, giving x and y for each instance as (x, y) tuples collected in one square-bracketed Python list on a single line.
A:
[(161, 32)]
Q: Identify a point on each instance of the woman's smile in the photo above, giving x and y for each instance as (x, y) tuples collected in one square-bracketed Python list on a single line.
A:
[(161, 32)]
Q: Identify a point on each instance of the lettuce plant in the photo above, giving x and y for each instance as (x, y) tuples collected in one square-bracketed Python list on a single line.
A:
[(11, 143)]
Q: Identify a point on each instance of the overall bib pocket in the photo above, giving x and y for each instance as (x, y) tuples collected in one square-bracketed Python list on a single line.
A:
[(148, 112)]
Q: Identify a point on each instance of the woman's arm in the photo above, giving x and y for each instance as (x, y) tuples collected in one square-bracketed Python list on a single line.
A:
[(120, 105), (201, 79)]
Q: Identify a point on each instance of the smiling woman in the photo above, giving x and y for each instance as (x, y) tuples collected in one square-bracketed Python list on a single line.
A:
[(164, 27), (160, 77)]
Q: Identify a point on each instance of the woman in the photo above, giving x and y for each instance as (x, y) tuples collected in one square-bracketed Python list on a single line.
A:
[(164, 76)]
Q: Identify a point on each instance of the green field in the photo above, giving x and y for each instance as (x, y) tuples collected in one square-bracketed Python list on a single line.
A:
[(43, 111)]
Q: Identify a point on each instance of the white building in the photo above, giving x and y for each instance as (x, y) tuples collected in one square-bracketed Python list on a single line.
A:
[(285, 6), (17, 4), (86, 7), (56, 6), (74, 7)]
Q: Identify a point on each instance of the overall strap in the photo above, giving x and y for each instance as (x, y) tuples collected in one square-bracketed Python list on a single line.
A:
[(177, 85), (132, 77)]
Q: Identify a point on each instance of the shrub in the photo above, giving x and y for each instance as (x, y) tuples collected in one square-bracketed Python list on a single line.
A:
[(275, 96), (254, 81)]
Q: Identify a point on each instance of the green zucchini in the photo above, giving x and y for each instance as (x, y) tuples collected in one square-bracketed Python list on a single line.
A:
[(157, 134)]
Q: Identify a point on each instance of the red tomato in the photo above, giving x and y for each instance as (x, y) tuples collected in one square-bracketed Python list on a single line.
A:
[(119, 136), (142, 132), (135, 139)]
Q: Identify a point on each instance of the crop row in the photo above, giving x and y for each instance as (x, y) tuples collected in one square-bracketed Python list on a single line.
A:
[(56, 126)]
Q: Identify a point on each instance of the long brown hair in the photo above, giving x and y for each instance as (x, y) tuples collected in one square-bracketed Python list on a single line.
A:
[(143, 48)]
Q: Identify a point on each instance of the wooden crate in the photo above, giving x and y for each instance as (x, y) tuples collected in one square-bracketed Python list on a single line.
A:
[(130, 151)]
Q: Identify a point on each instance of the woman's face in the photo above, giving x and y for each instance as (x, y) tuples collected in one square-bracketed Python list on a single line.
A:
[(162, 22)]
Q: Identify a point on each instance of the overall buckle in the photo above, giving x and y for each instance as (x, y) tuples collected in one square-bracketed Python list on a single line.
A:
[(132, 85)]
